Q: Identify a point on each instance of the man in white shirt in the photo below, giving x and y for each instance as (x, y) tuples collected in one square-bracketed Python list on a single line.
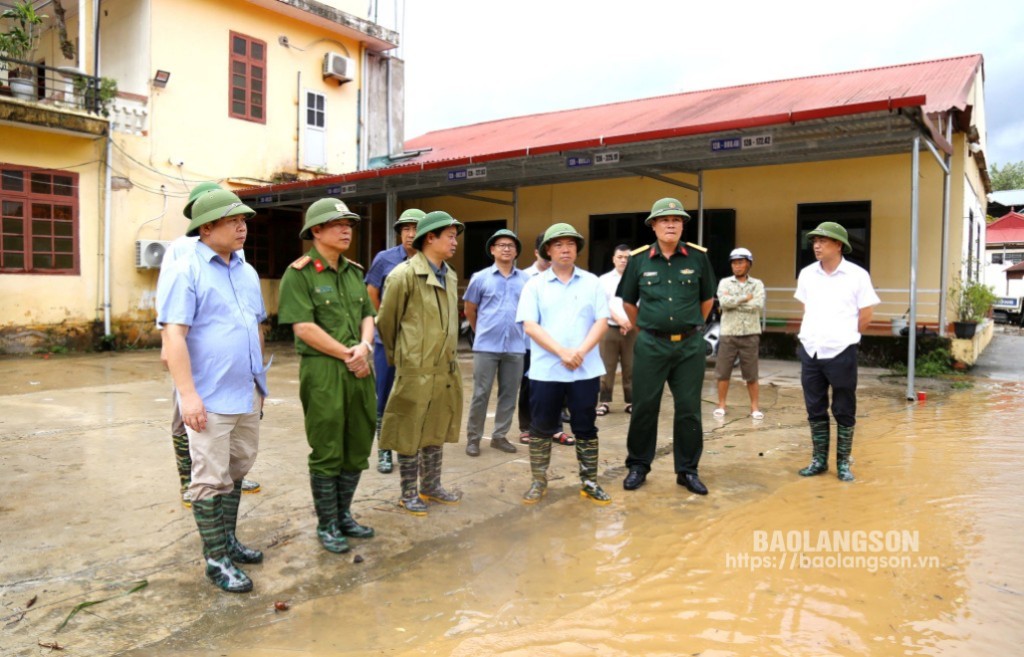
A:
[(617, 343), (838, 301)]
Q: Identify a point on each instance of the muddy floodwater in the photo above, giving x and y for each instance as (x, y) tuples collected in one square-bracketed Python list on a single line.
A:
[(921, 556)]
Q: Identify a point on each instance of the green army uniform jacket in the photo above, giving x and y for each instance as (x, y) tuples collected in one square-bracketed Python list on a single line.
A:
[(418, 324), (334, 300), (668, 292)]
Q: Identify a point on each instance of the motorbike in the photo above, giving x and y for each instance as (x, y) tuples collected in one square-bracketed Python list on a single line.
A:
[(712, 331)]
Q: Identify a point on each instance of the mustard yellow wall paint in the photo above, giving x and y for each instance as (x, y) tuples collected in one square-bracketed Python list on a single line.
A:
[(34, 299), (765, 200)]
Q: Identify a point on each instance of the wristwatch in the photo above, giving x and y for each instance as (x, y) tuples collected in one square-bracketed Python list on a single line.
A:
[(369, 347)]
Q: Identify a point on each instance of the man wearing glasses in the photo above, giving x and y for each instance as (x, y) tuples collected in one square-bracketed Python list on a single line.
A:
[(325, 301), (211, 312), (491, 300)]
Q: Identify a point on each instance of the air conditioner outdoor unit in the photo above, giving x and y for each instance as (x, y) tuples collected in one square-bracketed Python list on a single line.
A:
[(150, 253), (339, 67)]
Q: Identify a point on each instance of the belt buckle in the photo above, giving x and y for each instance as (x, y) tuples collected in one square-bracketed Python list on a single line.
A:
[(676, 337)]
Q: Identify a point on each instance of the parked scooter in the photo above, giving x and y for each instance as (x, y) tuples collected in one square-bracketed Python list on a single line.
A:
[(712, 331)]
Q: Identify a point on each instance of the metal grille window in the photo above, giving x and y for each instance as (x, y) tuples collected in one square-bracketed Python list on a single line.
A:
[(248, 78), (38, 221), (315, 113)]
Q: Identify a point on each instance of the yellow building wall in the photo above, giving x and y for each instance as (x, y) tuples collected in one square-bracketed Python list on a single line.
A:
[(37, 302), (765, 200)]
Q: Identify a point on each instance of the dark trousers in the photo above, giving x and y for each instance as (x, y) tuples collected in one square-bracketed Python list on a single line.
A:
[(385, 377), (817, 375), (546, 399), (657, 361)]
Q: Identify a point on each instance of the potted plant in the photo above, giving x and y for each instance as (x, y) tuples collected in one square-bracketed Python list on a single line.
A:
[(19, 43), (972, 301), (96, 97)]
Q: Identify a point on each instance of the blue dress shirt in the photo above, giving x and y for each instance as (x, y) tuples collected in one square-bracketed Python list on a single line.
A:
[(222, 305), (497, 298), (567, 311)]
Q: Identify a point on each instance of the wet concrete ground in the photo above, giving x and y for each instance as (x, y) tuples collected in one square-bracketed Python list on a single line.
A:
[(89, 505)]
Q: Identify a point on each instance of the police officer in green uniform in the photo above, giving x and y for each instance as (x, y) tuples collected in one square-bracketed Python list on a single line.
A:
[(667, 290), (324, 299)]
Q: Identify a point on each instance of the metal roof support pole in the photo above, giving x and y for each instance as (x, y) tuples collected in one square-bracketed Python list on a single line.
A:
[(389, 219), (944, 260), (915, 165), (700, 207), (515, 210)]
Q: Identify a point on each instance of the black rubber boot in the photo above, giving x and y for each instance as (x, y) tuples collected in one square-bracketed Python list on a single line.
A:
[(431, 489), (220, 570), (819, 455), (408, 470), (325, 501), (844, 447), (347, 484), (238, 552), (540, 459), (183, 461)]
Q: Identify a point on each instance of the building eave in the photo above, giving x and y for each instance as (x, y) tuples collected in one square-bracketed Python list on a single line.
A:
[(375, 37)]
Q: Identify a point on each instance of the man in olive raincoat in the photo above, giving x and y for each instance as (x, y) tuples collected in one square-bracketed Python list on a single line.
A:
[(418, 323)]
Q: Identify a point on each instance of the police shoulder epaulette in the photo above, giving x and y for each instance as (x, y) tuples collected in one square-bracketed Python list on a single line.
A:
[(698, 247), (354, 263), (301, 262), (640, 250)]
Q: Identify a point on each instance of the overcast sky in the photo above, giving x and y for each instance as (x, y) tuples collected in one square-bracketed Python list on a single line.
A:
[(476, 60)]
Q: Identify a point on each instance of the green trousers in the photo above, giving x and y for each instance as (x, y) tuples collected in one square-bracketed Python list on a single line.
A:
[(657, 361), (340, 414)]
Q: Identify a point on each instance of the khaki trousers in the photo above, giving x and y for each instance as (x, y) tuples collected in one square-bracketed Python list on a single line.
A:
[(224, 452), (616, 347)]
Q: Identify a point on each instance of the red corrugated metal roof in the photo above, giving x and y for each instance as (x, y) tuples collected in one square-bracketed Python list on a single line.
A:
[(939, 85), (1006, 229)]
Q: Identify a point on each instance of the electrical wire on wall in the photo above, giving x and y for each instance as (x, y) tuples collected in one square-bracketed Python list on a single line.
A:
[(163, 189)]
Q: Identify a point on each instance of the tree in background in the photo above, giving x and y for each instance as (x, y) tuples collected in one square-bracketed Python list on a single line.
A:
[(1010, 176)]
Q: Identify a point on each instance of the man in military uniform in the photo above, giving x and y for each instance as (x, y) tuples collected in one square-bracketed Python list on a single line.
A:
[(323, 298), (382, 264), (419, 326), (667, 291)]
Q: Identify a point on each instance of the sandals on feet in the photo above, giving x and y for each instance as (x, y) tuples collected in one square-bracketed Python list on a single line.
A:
[(719, 412), (757, 415), (629, 409), (562, 438), (602, 409)]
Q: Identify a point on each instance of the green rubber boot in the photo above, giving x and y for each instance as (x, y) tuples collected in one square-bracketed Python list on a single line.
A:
[(408, 471), (540, 459), (325, 501), (347, 484), (238, 552), (431, 489), (586, 454), (209, 515), (183, 460), (844, 447), (384, 463), (819, 443)]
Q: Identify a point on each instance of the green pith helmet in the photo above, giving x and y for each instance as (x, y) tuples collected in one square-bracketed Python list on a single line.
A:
[(665, 207), (322, 211), (556, 231), (196, 192), (213, 205), (411, 216), (504, 232), (436, 220), (833, 230)]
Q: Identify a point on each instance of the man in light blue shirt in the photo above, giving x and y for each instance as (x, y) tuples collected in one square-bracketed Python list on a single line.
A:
[(490, 301), (211, 309), (564, 312)]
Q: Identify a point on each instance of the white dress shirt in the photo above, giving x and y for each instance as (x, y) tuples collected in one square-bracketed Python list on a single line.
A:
[(832, 305)]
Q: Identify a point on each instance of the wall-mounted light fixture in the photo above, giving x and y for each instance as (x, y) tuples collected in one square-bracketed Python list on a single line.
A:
[(161, 78)]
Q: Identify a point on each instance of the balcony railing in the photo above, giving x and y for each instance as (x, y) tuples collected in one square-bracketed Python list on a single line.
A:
[(61, 87)]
